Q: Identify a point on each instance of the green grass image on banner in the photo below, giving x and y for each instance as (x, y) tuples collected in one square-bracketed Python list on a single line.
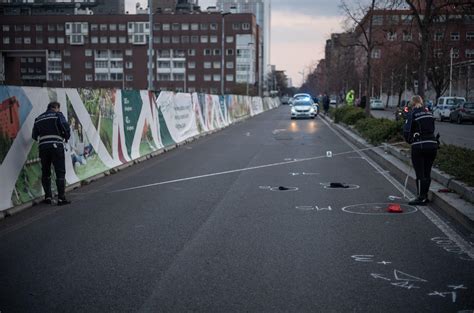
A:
[(165, 135)]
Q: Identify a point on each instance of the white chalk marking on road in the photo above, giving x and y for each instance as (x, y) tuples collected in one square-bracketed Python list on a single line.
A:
[(363, 257), (384, 262), (329, 154), (379, 276), (448, 231), (456, 287), (399, 275)]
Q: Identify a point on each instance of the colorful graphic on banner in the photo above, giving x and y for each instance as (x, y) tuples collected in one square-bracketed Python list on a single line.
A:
[(131, 108), (108, 127)]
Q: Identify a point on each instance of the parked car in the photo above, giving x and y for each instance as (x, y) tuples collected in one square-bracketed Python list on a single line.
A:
[(303, 107), (332, 101), (376, 104), (402, 110), (462, 112), (285, 99), (445, 105)]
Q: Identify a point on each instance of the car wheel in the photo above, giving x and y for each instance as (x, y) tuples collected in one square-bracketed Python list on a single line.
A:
[(459, 120), (451, 120)]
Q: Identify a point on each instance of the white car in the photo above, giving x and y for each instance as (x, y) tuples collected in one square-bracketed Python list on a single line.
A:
[(445, 106), (303, 107), (376, 104)]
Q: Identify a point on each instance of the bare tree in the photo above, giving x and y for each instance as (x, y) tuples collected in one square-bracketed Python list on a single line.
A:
[(425, 13)]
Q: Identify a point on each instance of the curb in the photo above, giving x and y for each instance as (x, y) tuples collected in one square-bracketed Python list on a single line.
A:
[(453, 204)]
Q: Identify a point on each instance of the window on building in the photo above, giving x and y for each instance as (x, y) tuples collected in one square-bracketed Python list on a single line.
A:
[(88, 65), (39, 40), (217, 64), (191, 52), (103, 39), (67, 53), (113, 39), (191, 77), (164, 77), (393, 19), (229, 39), (122, 27), (438, 53), (129, 78), (207, 52), (128, 52), (166, 26), (469, 53), (236, 26), (26, 28), (207, 64), (164, 53), (179, 53), (194, 26), (469, 36), (213, 39), (455, 36), (207, 78), (216, 77), (184, 39), (6, 40), (103, 27), (51, 40), (229, 64), (94, 39), (178, 64), (376, 53), (229, 52), (101, 76), (455, 53), (178, 76), (377, 20), (217, 51), (156, 39), (39, 28), (17, 28), (6, 28), (185, 26), (191, 64), (67, 65), (88, 52), (175, 39), (438, 36), (60, 40), (67, 77), (60, 27), (213, 26), (166, 39), (164, 64), (94, 27), (229, 77), (175, 26), (204, 39), (245, 26), (391, 36), (157, 26), (27, 40), (194, 39), (38, 60), (128, 65), (101, 64), (407, 36), (122, 39), (204, 26)]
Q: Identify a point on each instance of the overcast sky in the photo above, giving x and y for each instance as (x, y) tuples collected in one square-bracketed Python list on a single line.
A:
[(299, 31)]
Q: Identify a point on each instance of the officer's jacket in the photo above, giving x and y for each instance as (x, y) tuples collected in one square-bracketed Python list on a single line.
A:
[(419, 129), (51, 129)]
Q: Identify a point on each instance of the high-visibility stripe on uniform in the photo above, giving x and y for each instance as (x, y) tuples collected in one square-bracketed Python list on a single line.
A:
[(50, 137), (424, 141)]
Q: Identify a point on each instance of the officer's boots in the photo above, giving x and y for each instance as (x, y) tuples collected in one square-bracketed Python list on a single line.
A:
[(422, 188)]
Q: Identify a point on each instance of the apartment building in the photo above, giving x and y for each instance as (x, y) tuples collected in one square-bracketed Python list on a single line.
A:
[(49, 7), (84, 51)]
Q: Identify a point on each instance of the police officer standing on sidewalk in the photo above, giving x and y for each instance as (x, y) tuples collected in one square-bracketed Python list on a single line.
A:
[(51, 130), (419, 132)]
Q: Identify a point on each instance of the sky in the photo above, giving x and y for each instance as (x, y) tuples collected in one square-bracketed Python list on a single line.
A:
[(298, 32)]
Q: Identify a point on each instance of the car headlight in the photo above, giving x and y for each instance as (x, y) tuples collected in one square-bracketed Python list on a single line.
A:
[(293, 110), (311, 110)]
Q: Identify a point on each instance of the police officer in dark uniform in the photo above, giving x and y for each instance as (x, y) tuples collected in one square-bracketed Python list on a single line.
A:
[(51, 130), (419, 132)]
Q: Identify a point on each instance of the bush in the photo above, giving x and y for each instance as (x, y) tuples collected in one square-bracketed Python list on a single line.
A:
[(376, 130), (348, 114), (457, 162)]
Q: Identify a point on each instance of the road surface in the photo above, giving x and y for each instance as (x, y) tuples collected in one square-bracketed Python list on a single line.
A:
[(206, 228)]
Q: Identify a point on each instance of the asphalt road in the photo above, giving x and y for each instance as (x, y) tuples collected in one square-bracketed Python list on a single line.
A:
[(205, 228), (461, 135)]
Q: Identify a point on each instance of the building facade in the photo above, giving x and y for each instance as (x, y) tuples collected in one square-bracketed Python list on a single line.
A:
[(54, 7), (84, 51), (262, 11)]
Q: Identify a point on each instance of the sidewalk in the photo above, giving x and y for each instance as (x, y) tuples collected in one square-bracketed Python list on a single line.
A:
[(458, 205)]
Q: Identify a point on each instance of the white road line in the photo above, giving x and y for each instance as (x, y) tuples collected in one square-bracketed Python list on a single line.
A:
[(438, 222)]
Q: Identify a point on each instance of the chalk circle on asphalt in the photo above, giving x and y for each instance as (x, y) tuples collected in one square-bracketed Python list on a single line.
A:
[(377, 209)]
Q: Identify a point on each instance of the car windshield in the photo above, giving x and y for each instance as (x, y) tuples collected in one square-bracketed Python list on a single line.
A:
[(303, 103), (454, 101)]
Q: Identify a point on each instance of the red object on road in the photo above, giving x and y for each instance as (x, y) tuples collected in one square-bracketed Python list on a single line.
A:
[(394, 208)]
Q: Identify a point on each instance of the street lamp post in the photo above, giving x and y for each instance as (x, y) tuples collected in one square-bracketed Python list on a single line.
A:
[(249, 45), (223, 51), (451, 72), (150, 47)]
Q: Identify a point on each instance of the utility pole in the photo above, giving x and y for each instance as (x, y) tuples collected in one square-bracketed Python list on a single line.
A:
[(150, 47), (451, 72), (223, 51)]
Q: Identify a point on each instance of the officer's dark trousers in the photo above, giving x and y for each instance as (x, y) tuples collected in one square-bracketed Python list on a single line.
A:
[(53, 156), (422, 160)]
